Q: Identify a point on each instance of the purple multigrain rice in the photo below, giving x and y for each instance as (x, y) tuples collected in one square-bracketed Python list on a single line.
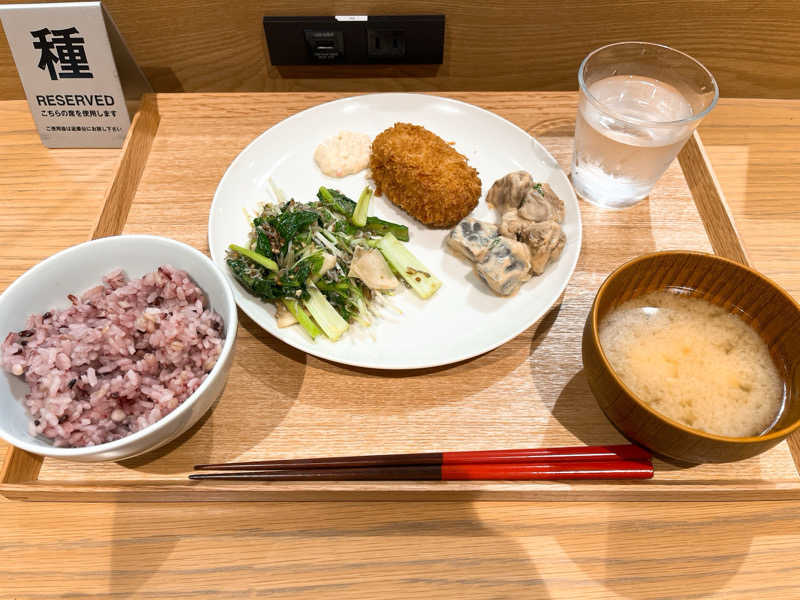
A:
[(118, 359)]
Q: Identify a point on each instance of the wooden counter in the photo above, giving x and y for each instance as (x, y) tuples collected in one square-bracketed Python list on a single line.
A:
[(50, 199)]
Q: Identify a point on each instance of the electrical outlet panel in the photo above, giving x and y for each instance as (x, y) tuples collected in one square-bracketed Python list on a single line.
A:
[(355, 40)]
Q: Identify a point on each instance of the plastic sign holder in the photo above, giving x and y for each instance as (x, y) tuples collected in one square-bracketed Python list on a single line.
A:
[(79, 76)]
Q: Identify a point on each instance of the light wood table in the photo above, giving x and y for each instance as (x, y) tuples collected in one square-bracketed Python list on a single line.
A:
[(331, 550)]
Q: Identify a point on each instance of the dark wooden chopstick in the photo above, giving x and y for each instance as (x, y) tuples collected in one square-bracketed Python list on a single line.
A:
[(612, 469), (525, 455)]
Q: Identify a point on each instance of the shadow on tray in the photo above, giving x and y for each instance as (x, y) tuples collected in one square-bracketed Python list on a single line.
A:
[(578, 412), (390, 392)]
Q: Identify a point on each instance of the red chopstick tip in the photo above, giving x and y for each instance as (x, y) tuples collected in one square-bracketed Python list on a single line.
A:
[(612, 469)]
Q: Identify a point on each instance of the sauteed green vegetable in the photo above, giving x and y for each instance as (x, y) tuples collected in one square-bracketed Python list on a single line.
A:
[(326, 264)]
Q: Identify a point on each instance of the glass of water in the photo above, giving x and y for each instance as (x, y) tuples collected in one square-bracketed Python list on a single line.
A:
[(639, 103)]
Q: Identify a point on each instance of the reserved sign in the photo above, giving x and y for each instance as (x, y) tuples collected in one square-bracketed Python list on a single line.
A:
[(67, 66), (74, 100)]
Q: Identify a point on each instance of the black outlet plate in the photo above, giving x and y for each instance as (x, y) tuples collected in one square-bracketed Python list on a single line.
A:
[(407, 39)]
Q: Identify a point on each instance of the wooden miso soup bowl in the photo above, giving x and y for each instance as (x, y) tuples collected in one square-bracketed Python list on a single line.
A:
[(771, 311)]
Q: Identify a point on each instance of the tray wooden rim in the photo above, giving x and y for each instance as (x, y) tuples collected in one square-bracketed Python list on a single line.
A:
[(18, 477)]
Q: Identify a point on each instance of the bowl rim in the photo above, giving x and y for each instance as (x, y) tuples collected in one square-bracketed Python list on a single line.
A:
[(773, 435), (231, 326)]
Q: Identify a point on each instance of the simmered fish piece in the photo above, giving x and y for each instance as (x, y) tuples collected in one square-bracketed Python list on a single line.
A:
[(472, 238), (505, 266)]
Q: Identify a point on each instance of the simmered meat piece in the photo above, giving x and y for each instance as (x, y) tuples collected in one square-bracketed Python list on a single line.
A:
[(508, 192), (546, 253), (505, 266), (534, 201), (472, 238), (544, 240), (542, 204)]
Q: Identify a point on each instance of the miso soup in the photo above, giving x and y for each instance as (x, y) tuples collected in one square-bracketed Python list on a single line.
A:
[(694, 362)]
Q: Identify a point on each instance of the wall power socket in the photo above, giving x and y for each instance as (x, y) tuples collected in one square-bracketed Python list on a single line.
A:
[(354, 40)]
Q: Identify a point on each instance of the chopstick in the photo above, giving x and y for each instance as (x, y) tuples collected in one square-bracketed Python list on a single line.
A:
[(607, 469), (572, 454)]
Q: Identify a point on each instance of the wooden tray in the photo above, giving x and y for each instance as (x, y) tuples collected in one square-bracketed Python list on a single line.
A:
[(281, 403)]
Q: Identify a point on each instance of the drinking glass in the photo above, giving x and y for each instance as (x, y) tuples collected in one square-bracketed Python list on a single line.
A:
[(639, 103)]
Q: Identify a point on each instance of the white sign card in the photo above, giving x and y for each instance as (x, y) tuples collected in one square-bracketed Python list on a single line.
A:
[(70, 65)]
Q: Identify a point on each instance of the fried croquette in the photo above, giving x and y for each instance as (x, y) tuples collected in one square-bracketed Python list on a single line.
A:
[(423, 175)]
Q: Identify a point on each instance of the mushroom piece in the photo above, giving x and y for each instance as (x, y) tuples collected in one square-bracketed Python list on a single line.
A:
[(328, 262), (534, 201), (505, 266), (283, 317), (371, 268), (545, 240), (472, 238)]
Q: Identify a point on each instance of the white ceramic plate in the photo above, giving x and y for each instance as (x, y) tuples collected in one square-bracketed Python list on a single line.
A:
[(464, 318)]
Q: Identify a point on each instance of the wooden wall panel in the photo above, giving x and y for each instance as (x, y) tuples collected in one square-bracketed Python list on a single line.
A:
[(218, 45)]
